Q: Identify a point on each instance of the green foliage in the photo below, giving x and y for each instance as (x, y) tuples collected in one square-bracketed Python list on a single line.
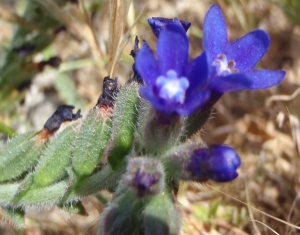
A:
[(18, 67), (7, 130)]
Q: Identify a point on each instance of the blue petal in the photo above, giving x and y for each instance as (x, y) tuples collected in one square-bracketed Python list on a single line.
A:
[(248, 50), (197, 72), (232, 82), (264, 78), (156, 103), (193, 101), (172, 49), (146, 65), (158, 23), (215, 37), (185, 24)]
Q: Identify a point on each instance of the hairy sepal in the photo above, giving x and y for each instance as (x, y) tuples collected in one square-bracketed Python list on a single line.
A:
[(56, 158), (18, 156), (162, 131), (14, 216), (74, 208), (160, 215), (123, 215), (124, 123), (91, 142)]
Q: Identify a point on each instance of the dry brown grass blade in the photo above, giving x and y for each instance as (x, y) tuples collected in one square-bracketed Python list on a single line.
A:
[(250, 211), (118, 14), (254, 208), (295, 127), (126, 38), (12, 17), (257, 221), (77, 21), (283, 97), (291, 211)]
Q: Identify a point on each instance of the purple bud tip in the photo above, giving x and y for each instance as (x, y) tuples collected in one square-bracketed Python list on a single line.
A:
[(144, 176), (143, 181), (218, 163), (158, 23)]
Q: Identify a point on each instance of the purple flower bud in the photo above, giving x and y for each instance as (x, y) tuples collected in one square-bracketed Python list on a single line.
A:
[(145, 176), (218, 163), (158, 23)]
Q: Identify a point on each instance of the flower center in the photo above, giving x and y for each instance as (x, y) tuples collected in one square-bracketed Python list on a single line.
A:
[(171, 88), (223, 66)]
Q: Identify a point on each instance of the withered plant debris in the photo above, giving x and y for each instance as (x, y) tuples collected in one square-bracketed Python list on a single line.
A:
[(24, 49), (63, 113), (136, 77), (109, 93)]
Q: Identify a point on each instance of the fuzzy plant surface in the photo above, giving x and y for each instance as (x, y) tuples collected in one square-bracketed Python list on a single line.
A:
[(136, 141)]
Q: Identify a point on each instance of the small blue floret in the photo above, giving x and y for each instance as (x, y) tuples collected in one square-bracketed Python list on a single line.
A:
[(232, 63), (172, 83)]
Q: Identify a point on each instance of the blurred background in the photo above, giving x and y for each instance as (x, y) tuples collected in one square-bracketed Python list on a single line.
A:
[(56, 52)]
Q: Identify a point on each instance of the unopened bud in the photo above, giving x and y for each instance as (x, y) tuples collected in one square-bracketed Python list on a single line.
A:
[(145, 176), (218, 163)]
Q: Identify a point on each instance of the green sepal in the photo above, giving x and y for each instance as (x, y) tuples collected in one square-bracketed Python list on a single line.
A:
[(56, 158), (15, 216), (91, 142), (7, 192), (50, 195), (75, 208), (106, 178), (176, 159), (162, 131), (124, 123), (195, 122), (123, 216), (13, 195), (160, 215), (18, 156), (18, 195)]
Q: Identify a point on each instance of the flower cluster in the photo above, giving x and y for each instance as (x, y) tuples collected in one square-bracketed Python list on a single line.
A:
[(173, 84)]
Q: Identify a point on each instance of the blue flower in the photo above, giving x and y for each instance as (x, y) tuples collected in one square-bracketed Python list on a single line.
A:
[(232, 64), (172, 83), (218, 163), (157, 24)]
